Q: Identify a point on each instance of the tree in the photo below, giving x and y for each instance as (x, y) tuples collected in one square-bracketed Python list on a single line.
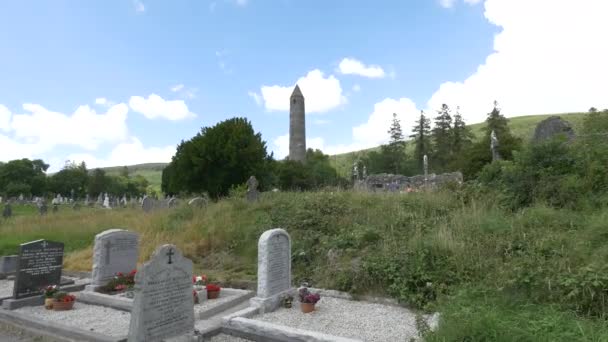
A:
[(98, 183), (23, 176), (462, 139), (421, 134), (442, 136), (394, 152), (71, 177), (124, 172), (217, 158)]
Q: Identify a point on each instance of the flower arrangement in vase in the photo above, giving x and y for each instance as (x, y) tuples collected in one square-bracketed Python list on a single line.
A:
[(63, 301), (49, 291), (213, 291), (308, 299)]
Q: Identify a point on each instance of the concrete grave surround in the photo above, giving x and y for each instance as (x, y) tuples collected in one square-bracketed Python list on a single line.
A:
[(164, 305), (116, 250), (274, 268)]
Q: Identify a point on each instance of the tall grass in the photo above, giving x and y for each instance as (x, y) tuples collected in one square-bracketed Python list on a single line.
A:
[(492, 272)]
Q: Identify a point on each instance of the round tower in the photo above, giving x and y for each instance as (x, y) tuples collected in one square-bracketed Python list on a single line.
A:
[(297, 126)]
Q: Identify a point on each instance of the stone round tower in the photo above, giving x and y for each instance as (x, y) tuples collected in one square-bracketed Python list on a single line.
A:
[(297, 126)]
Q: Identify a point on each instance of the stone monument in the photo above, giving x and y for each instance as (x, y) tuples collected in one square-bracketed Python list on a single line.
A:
[(252, 189), (115, 250), (297, 126), (164, 305), (274, 269), (494, 146)]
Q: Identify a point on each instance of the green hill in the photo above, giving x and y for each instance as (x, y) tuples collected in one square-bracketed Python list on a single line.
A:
[(521, 126), (150, 171)]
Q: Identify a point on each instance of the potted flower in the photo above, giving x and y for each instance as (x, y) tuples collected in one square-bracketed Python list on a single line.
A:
[(49, 291), (308, 300), (199, 281), (63, 301), (213, 291)]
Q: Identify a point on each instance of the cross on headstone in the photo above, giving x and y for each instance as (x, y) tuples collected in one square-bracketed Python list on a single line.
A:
[(169, 254), (108, 245), (44, 244)]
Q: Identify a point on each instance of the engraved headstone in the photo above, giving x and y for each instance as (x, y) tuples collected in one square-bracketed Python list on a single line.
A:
[(164, 305), (115, 250), (274, 267), (106, 202), (39, 265), (147, 204)]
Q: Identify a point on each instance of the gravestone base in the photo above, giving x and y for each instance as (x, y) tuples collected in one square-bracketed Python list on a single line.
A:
[(271, 303), (12, 304)]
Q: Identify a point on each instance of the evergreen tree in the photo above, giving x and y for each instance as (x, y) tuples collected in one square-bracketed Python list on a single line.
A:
[(442, 136), (394, 152), (421, 135), (461, 135)]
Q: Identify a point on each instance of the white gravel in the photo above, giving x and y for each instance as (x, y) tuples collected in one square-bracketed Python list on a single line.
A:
[(207, 304), (6, 288), (226, 338), (358, 320), (95, 318)]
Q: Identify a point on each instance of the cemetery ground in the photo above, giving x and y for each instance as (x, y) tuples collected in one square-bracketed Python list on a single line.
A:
[(537, 274)]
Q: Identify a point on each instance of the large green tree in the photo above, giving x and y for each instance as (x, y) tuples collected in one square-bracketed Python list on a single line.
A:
[(72, 177), (216, 159), (443, 138), (394, 152), (23, 176)]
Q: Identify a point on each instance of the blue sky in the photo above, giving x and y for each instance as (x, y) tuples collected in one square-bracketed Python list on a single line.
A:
[(122, 82)]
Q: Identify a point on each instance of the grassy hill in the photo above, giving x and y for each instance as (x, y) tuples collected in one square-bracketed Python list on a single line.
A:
[(521, 126)]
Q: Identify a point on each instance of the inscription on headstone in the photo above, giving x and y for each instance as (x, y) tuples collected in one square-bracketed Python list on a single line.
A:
[(274, 263), (115, 250), (39, 265), (163, 305)]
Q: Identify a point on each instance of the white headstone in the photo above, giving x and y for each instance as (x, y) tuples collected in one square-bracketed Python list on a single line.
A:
[(106, 202), (164, 304), (274, 267), (116, 250)]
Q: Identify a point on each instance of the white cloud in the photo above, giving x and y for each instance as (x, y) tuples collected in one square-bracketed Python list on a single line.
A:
[(139, 6), (351, 66), (356, 88), (256, 97), (85, 128), (5, 118), (156, 107), (127, 153), (177, 88), (101, 101), (540, 64), (374, 131), (321, 93)]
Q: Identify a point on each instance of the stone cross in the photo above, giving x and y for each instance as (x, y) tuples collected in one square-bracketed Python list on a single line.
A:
[(425, 163), (170, 254), (252, 189)]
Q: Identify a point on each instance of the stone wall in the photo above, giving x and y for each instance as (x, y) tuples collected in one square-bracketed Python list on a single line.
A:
[(386, 182)]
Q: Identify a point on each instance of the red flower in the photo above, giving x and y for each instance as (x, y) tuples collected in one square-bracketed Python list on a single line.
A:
[(132, 273), (213, 287), (120, 274)]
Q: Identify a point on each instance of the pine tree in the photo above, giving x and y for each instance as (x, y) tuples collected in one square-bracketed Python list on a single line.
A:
[(394, 152), (461, 134), (421, 133), (442, 136)]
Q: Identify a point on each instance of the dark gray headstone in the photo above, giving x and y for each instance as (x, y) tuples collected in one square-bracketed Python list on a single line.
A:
[(163, 306), (8, 211), (551, 127), (147, 204), (42, 209), (8, 264), (39, 265)]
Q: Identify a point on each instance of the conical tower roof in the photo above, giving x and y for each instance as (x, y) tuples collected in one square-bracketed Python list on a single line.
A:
[(297, 92)]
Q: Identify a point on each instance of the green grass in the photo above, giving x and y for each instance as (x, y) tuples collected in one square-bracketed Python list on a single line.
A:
[(534, 275)]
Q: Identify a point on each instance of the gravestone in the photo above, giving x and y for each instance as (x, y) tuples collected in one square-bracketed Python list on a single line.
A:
[(115, 250), (550, 127), (42, 207), (8, 211), (147, 204), (106, 202), (8, 265), (274, 268), (252, 189), (55, 208), (39, 265), (172, 202), (76, 206), (100, 199), (164, 305)]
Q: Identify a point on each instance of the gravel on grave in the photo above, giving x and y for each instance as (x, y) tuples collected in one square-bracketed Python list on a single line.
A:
[(347, 318), (207, 304), (226, 338), (103, 320), (6, 288)]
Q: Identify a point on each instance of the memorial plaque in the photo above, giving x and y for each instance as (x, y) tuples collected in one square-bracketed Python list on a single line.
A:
[(164, 304), (274, 263), (116, 250), (39, 265)]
